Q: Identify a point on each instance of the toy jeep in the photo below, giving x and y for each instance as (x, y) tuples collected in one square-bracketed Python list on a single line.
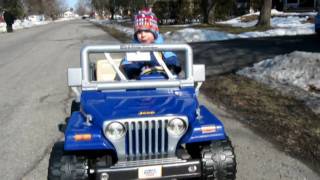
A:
[(317, 23), (152, 127)]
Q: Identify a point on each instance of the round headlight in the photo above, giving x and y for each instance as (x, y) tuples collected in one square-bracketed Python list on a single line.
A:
[(115, 130), (176, 127)]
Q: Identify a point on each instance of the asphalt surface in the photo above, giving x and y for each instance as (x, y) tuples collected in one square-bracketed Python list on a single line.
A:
[(35, 99), (34, 93)]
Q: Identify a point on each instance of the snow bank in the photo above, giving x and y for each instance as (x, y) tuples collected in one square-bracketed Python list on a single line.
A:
[(297, 69)]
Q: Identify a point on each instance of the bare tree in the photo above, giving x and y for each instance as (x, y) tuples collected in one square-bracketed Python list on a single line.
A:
[(51, 8), (208, 8), (107, 6), (14, 6), (82, 7), (34, 6), (102, 6), (265, 14)]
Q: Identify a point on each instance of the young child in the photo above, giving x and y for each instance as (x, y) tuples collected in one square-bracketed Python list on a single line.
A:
[(146, 31)]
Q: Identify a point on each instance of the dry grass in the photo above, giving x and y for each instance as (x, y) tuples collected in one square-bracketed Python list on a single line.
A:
[(123, 37), (249, 18), (215, 27), (310, 20), (281, 119)]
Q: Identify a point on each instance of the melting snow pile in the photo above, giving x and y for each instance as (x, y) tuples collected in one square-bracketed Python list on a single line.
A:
[(299, 70)]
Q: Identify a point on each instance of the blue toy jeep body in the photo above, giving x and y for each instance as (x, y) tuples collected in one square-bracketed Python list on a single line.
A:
[(317, 23), (149, 128), (111, 106)]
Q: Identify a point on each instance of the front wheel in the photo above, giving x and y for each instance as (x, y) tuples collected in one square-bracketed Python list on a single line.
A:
[(75, 106), (66, 167), (218, 161)]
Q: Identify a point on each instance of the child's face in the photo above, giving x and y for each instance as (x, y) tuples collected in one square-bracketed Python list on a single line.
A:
[(145, 37)]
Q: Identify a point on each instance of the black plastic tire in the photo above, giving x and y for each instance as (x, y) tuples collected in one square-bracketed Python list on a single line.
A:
[(66, 167), (75, 106), (218, 161)]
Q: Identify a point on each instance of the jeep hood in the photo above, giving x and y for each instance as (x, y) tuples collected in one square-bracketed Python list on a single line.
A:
[(107, 106)]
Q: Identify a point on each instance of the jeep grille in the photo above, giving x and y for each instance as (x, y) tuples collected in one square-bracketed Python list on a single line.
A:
[(147, 136)]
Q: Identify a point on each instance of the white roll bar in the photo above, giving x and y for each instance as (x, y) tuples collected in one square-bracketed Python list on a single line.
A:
[(123, 84)]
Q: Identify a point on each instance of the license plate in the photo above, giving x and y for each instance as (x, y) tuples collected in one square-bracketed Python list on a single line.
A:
[(150, 172)]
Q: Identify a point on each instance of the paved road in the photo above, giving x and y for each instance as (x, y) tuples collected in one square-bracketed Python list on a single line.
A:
[(35, 99), (228, 56), (33, 91)]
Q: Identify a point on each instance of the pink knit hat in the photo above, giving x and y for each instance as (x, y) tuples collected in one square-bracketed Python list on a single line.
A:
[(146, 20)]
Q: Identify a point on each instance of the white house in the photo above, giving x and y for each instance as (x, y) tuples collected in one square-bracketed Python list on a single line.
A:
[(36, 18), (68, 14)]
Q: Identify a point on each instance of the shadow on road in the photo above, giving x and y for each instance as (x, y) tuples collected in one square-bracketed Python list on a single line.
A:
[(223, 57)]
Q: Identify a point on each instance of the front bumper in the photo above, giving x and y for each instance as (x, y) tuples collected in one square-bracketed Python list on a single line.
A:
[(183, 170)]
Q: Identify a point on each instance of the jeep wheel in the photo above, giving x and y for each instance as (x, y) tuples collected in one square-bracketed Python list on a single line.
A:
[(63, 166), (75, 106), (218, 161)]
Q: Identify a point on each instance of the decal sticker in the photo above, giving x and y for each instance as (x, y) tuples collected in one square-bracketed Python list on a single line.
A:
[(143, 113), (208, 129), (150, 172)]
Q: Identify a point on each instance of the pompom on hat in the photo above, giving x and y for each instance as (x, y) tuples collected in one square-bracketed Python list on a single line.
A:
[(146, 20)]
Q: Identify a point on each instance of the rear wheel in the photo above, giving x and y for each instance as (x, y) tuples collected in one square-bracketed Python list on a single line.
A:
[(66, 167), (218, 161)]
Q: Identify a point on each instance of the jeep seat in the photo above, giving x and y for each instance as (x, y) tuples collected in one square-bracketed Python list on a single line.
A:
[(105, 71)]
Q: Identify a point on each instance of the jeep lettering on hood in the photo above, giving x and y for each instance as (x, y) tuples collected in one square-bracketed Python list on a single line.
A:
[(138, 104)]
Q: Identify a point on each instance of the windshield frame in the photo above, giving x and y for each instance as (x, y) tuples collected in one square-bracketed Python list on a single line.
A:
[(135, 84)]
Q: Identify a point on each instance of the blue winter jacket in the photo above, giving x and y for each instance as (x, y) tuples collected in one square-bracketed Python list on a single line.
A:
[(133, 69)]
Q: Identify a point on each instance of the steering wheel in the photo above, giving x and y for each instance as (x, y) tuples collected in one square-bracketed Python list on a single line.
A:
[(153, 69)]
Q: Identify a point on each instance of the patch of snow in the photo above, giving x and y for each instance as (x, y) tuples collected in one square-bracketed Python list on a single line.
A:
[(3, 27), (195, 35), (280, 20), (236, 22), (25, 23), (307, 29)]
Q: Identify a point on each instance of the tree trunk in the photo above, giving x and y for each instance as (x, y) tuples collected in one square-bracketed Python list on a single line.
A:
[(112, 13), (205, 13), (265, 14), (206, 6), (211, 18)]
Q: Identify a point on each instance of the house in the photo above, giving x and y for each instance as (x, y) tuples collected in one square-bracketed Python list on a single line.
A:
[(36, 18), (297, 4), (68, 14)]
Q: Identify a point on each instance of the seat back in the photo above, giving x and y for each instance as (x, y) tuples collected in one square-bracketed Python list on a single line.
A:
[(105, 71)]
